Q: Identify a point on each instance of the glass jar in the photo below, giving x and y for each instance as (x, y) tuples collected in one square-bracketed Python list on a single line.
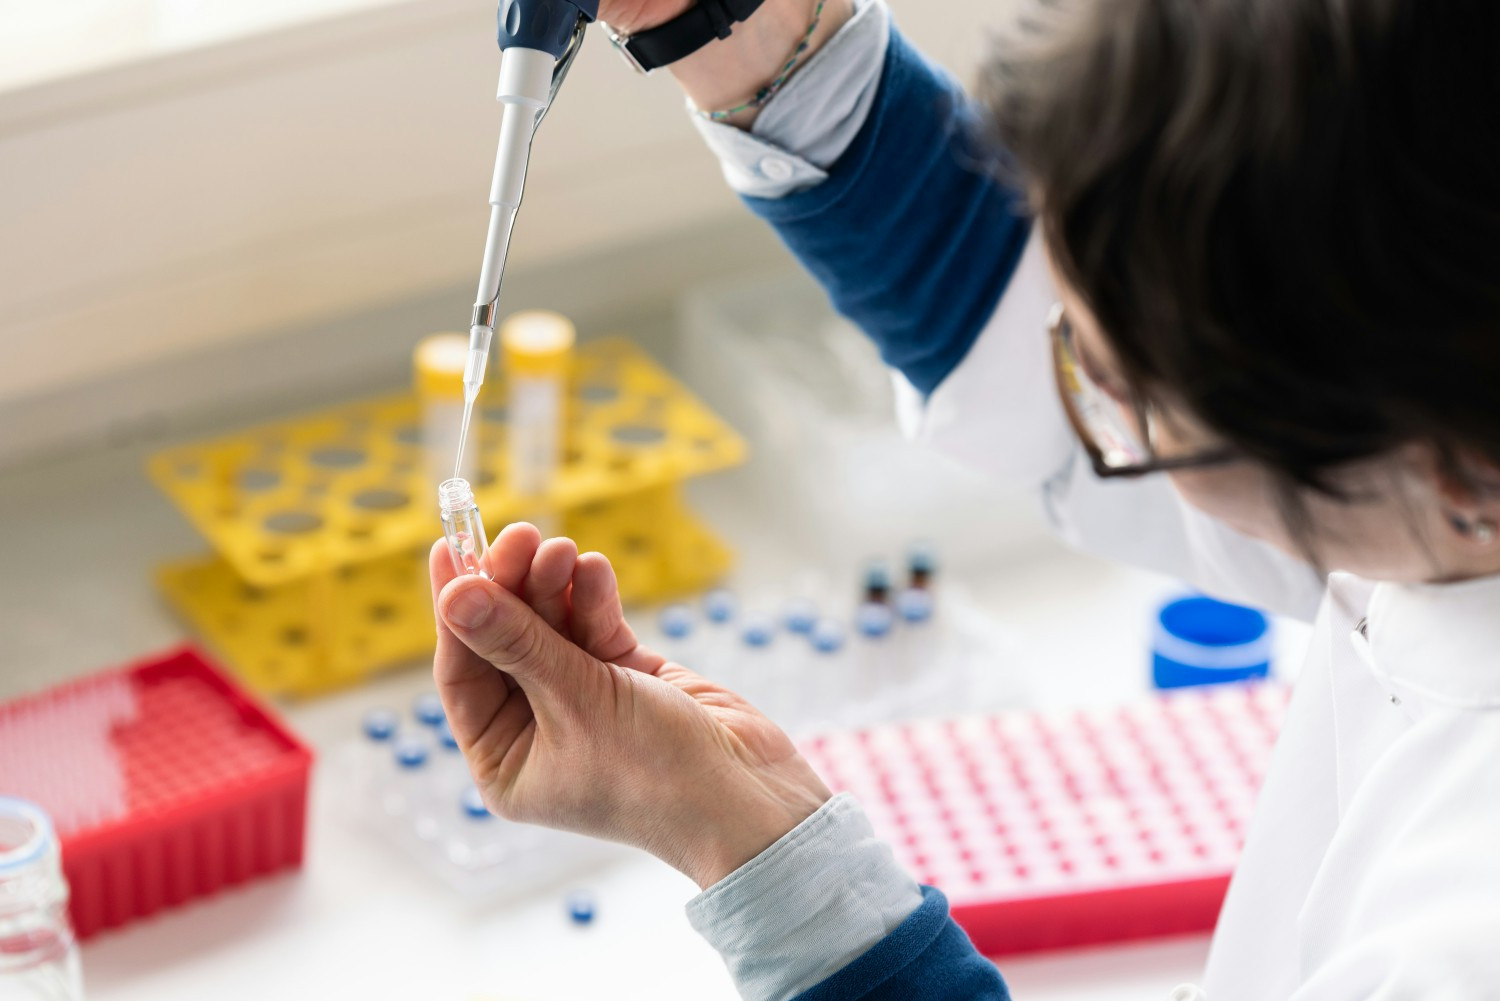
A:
[(38, 955)]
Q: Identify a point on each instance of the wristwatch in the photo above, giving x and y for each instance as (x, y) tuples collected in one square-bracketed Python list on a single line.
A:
[(683, 35)]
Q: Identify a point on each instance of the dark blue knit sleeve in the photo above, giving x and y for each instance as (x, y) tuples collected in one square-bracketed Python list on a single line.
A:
[(927, 957), (913, 239)]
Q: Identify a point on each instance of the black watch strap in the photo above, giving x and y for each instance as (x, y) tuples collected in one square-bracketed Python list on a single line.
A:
[(685, 34)]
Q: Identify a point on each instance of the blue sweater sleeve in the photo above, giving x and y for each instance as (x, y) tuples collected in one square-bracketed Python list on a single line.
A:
[(913, 239), (927, 957)]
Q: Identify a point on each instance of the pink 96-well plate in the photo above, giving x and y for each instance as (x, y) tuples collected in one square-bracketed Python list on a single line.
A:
[(1052, 830)]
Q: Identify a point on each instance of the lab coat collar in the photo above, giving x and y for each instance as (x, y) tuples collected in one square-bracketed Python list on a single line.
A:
[(1439, 642)]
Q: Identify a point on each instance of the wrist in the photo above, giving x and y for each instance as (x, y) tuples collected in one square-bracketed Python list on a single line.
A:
[(740, 828), (728, 71)]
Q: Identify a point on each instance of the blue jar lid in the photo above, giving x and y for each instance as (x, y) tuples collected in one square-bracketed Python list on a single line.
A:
[(1199, 640), (914, 605), (428, 709), (445, 737), (718, 605), (827, 636), (800, 615), (380, 724), (877, 575), (874, 620), (411, 752), (676, 621)]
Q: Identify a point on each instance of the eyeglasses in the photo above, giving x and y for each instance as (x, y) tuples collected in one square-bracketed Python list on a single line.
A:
[(1117, 429)]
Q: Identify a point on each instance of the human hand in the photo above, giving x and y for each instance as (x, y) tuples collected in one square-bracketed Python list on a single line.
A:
[(567, 721)]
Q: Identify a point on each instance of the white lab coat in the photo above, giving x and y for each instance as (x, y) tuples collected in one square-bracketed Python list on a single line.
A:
[(1372, 865)]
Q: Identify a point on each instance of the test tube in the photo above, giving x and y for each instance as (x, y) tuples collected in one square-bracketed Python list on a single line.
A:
[(462, 526), (438, 377), (537, 346)]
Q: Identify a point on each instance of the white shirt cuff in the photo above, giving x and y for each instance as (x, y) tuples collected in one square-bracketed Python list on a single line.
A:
[(806, 127), (807, 906)]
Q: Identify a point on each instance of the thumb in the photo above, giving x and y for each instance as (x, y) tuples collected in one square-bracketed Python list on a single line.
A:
[(503, 629)]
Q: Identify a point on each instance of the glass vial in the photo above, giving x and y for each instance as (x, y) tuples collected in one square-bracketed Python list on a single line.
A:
[(462, 526), (38, 955)]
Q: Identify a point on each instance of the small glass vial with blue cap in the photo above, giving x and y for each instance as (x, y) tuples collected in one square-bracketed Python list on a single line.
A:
[(678, 627), (874, 665), (919, 647), (474, 842), (38, 954), (755, 674), (719, 644), (828, 687), (463, 527), (799, 615), (406, 791)]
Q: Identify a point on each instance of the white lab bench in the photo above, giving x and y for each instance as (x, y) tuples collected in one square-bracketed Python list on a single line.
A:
[(79, 537)]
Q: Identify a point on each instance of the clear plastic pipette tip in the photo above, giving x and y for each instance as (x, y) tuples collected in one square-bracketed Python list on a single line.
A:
[(479, 354)]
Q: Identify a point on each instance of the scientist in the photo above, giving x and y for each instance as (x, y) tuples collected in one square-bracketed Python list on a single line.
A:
[(1220, 280)]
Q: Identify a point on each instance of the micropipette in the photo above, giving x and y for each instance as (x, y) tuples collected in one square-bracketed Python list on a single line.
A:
[(539, 39)]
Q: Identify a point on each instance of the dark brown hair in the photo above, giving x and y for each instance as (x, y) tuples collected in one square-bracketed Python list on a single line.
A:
[(1285, 214)]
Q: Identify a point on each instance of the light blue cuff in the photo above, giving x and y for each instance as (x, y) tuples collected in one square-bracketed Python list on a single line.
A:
[(807, 126), (807, 906)]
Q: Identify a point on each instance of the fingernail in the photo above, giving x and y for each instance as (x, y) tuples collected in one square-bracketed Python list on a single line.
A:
[(470, 608)]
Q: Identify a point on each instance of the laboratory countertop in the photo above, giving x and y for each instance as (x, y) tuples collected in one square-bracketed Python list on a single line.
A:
[(79, 537)]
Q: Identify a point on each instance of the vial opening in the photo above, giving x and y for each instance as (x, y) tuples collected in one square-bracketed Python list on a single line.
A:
[(455, 495), (24, 832)]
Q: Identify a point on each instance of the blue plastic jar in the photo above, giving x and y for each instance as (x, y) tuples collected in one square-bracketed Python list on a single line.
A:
[(1200, 641)]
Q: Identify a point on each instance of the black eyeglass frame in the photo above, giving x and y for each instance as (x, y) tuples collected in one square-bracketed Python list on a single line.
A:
[(1060, 332)]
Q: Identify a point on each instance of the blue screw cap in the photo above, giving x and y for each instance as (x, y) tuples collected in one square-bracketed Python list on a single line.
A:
[(472, 804), (800, 615), (581, 907), (758, 632), (428, 709), (676, 621), (411, 752), (718, 605), (827, 636), (445, 737), (380, 724)]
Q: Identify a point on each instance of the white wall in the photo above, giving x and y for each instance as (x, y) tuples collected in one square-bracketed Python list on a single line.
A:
[(232, 191)]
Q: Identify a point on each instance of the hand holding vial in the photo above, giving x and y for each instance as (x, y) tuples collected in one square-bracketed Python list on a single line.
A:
[(567, 721)]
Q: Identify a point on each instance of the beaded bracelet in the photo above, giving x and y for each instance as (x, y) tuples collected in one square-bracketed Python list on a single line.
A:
[(764, 95)]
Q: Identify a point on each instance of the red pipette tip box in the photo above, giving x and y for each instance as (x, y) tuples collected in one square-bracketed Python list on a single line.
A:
[(165, 781), (1055, 830)]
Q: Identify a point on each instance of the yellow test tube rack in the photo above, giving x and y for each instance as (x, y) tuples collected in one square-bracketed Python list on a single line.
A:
[(321, 525)]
